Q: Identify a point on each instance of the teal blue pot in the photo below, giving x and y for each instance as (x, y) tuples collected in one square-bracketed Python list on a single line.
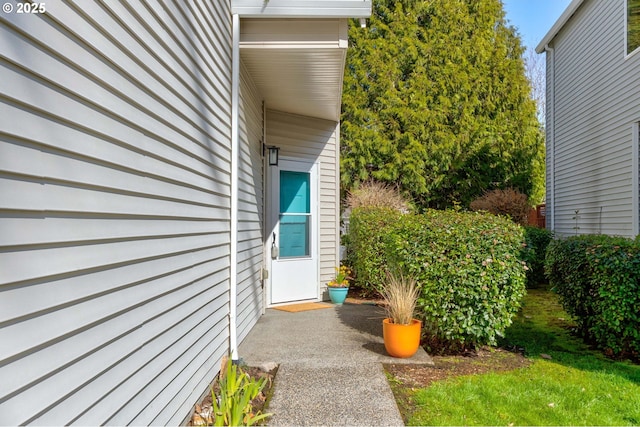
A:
[(338, 295)]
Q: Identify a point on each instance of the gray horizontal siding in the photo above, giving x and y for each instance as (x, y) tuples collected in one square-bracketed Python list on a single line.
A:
[(314, 140), (114, 210), (250, 297), (596, 103)]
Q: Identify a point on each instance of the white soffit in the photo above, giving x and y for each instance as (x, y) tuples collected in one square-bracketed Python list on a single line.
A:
[(302, 8), (297, 65)]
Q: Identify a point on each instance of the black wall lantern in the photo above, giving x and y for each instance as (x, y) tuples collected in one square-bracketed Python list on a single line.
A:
[(272, 154)]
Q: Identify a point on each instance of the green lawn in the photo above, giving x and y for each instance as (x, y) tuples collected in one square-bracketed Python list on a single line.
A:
[(576, 386)]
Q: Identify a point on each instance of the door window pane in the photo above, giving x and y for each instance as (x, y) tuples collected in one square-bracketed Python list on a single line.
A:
[(294, 236), (294, 192), (295, 214)]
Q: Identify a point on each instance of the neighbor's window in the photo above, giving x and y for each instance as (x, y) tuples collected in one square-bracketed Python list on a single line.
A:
[(633, 25)]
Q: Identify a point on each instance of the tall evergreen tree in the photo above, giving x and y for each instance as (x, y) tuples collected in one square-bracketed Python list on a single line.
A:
[(436, 101)]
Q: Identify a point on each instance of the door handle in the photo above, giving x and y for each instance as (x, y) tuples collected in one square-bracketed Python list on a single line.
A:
[(274, 248)]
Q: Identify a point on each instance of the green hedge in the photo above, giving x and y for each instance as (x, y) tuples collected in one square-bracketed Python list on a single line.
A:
[(597, 278), (537, 240), (365, 245), (467, 265)]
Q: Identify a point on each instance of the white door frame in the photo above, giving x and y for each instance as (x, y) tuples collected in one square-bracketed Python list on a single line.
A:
[(272, 217)]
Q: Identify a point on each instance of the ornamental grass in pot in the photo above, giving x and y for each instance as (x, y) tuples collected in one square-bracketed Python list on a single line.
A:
[(400, 330)]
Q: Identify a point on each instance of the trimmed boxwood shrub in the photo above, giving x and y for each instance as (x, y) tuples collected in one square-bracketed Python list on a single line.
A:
[(597, 278), (566, 267), (466, 264), (537, 240)]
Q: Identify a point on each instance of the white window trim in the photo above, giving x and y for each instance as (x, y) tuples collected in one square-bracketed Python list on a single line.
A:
[(626, 32)]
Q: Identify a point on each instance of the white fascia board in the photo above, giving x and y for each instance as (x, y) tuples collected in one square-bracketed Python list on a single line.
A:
[(302, 8), (555, 29), (278, 33)]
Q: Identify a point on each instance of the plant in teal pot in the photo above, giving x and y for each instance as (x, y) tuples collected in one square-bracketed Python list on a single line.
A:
[(339, 286)]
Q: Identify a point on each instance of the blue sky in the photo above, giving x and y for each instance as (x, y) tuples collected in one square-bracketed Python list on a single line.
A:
[(533, 18)]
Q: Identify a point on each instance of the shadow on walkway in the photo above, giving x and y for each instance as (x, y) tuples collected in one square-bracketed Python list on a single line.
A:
[(330, 366)]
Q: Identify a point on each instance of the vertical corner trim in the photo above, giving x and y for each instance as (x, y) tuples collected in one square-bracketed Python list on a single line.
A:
[(235, 147), (551, 139)]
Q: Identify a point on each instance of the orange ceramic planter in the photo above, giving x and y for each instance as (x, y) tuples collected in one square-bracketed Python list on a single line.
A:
[(401, 340)]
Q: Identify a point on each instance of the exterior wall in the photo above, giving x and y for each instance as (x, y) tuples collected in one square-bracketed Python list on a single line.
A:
[(115, 170), (596, 89), (250, 208), (315, 140), (114, 211)]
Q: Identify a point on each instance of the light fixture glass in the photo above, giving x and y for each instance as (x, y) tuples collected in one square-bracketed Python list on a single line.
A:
[(273, 155)]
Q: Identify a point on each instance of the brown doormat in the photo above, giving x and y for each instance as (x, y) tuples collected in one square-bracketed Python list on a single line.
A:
[(305, 306)]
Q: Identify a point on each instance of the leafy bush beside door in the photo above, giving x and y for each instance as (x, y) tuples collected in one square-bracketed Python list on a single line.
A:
[(467, 265), (366, 247)]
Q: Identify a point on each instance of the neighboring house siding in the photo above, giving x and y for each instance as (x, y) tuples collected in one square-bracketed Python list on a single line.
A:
[(311, 139), (250, 207), (596, 92), (114, 210)]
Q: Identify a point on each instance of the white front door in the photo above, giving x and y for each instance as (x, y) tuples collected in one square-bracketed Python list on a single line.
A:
[(293, 242)]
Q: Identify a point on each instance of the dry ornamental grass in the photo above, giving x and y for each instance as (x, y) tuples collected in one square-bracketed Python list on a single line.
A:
[(400, 294), (377, 194)]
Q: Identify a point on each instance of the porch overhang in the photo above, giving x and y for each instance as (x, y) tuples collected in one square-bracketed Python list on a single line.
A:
[(297, 64)]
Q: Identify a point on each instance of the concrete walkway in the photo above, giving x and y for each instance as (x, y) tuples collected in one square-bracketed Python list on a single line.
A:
[(330, 370)]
